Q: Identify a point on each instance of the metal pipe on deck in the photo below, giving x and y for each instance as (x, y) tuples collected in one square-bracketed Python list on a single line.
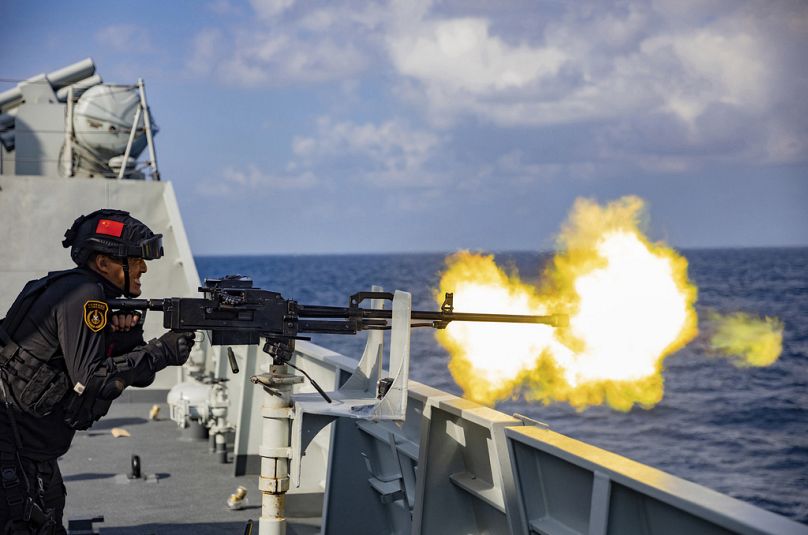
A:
[(10, 97), (57, 79), (275, 450), (79, 87), (128, 151), (67, 154), (71, 74), (149, 135)]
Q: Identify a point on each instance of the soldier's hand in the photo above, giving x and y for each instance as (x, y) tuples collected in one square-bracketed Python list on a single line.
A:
[(123, 321), (176, 346)]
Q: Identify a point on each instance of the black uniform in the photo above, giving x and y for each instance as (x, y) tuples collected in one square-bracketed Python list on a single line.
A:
[(68, 326)]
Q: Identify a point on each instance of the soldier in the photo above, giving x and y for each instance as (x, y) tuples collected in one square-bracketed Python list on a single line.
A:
[(64, 357)]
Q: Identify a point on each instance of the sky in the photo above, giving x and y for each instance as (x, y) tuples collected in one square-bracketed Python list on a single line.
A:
[(304, 127)]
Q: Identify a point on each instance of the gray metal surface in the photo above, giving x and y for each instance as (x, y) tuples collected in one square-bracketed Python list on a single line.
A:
[(39, 132), (567, 487), (190, 492), (359, 398)]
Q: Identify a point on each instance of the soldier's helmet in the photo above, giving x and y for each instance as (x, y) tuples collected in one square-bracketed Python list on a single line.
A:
[(114, 233)]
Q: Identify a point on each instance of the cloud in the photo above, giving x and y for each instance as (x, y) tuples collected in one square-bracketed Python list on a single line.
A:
[(279, 47), (270, 59), (386, 155), (673, 78), (590, 67), (460, 56), (254, 178), (392, 152), (661, 84), (240, 180), (714, 67), (257, 59), (204, 50), (268, 9)]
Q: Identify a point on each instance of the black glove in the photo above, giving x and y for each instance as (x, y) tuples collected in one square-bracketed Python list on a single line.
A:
[(171, 349), (120, 342)]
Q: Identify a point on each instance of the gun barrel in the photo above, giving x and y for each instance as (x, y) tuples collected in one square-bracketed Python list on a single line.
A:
[(556, 320)]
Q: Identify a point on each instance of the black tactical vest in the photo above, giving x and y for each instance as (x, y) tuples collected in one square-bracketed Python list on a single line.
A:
[(34, 383)]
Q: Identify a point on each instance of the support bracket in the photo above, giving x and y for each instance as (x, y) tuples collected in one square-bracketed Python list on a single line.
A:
[(357, 398)]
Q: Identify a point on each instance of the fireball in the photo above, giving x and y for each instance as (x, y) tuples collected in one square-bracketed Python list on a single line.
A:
[(629, 301)]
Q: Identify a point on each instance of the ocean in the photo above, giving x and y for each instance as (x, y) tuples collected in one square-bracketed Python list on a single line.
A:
[(740, 431)]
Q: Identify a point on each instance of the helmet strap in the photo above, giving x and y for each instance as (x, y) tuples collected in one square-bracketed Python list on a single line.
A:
[(125, 265)]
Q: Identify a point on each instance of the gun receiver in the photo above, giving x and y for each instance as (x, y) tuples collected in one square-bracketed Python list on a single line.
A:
[(237, 313)]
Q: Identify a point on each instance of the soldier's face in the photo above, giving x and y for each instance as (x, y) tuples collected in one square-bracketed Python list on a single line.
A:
[(137, 267), (112, 270)]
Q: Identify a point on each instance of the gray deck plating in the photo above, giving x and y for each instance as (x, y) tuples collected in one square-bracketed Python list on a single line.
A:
[(190, 490)]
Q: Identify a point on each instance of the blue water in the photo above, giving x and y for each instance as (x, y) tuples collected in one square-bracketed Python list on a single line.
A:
[(743, 432)]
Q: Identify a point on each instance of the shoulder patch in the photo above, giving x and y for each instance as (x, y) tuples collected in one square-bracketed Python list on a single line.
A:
[(95, 314)]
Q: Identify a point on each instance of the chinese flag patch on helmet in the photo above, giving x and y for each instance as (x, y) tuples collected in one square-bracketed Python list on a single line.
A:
[(109, 227)]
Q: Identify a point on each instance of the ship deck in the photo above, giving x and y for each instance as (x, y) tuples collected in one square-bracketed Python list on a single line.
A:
[(185, 490)]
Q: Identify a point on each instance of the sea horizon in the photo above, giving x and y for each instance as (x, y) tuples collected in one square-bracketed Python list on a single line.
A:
[(683, 250)]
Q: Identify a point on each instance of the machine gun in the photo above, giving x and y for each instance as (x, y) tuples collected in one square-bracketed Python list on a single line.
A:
[(236, 313)]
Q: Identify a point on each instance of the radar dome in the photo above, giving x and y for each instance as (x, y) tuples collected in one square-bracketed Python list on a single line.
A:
[(103, 118)]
